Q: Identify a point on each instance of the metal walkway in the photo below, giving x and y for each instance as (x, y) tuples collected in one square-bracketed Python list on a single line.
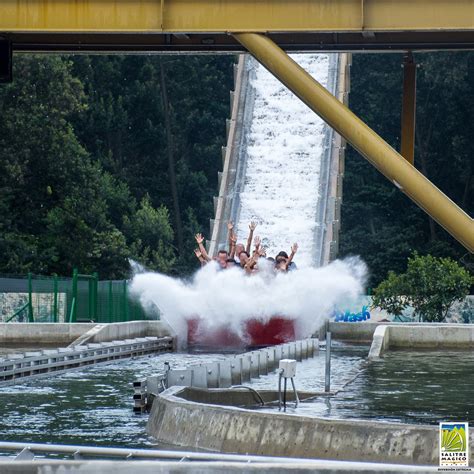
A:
[(17, 368)]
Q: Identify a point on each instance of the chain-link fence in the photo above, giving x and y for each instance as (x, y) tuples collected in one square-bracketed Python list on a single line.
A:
[(82, 298)]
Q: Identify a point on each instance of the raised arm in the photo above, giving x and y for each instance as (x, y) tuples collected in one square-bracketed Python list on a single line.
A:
[(252, 226), (230, 232), (294, 249), (200, 239), (199, 256), (252, 261), (233, 243)]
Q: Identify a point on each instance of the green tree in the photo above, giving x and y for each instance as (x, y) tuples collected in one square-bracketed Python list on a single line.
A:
[(380, 223), (151, 237), (430, 285)]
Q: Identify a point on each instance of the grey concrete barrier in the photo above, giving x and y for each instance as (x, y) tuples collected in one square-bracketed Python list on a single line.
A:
[(180, 378), (213, 370), (246, 375), (200, 376), (421, 336), (236, 371), (225, 374), (178, 418), (254, 365)]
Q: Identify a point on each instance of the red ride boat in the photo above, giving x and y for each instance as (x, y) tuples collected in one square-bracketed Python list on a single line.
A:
[(255, 333)]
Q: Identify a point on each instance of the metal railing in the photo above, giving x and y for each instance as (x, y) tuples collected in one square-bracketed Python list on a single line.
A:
[(17, 368), (29, 451)]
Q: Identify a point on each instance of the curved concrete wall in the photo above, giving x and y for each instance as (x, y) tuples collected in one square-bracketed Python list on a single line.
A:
[(227, 429), (421, 336)]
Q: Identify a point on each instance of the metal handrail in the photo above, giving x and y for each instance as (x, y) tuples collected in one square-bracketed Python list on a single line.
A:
[(17, 312), (28, 449)]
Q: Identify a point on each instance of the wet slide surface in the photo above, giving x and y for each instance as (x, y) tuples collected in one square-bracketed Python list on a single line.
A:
[(284, 148)]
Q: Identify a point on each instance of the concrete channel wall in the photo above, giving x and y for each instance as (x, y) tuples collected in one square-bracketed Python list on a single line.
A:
[(421, 336), (177, 420), (61, 334), (355, 332), (42, 333), (231, 178)]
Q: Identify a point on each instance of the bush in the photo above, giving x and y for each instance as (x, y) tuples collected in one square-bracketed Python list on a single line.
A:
[(430, 285)]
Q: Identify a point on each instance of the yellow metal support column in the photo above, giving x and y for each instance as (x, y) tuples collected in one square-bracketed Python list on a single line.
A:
[(407, 149), (390, 163)]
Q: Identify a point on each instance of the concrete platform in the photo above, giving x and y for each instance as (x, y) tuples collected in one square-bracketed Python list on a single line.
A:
[(421, 336)]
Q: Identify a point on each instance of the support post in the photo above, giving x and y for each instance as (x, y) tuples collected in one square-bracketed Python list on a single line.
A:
[(125, 301), (327, 372), (73, 315), (370, 145), (95, 291), (55, 299), (111, 302), (31, 318), (407, 149)]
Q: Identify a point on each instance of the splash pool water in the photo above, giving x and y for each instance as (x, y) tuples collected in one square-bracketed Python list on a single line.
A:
[(91, 406), (94, 406), (406, 386)]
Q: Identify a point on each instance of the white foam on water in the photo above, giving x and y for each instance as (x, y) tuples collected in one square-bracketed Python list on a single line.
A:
[(231, 297)]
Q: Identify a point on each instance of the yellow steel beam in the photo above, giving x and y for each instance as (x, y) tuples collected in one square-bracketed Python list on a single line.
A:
[(407, 149), (213, 16), (378, 152)]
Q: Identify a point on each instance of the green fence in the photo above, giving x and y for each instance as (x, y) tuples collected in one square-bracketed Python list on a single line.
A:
[(82, 298)]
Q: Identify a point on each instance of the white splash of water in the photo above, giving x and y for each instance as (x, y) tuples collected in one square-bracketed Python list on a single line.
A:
[(228, 298)]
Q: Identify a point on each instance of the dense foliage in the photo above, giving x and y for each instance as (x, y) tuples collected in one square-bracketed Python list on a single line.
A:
[(105, 158), (379, 223), (430, 285)]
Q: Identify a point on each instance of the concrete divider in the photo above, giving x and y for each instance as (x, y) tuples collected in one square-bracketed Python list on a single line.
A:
[(177, 418), (127, 330), (41, 333), (63, 334), (421, 336), (360, 331)]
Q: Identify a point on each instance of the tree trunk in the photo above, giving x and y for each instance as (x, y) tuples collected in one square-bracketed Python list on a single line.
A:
[(467, 190), (171, 160)]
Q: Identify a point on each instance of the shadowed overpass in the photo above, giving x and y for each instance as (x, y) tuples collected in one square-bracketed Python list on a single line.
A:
[(184, 25)]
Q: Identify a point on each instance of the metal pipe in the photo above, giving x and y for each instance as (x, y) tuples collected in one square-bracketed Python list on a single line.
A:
[(327, 372), (260, 399), (297, 400), (378, 152), (279, 389), (144, 453)]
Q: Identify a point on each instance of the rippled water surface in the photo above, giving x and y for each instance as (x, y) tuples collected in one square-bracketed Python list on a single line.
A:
[(410, 387), (94, 406), (91, 406)]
